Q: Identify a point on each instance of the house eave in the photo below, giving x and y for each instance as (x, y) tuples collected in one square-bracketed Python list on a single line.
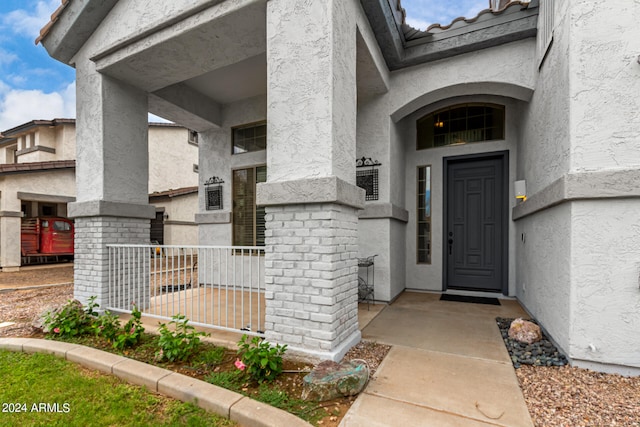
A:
[(493, 29), (74, 24)]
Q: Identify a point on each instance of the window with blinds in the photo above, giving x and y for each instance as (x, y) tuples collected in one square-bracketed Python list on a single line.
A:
[(248, 219)]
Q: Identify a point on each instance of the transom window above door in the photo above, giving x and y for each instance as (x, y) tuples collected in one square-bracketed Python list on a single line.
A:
[(460, 124)]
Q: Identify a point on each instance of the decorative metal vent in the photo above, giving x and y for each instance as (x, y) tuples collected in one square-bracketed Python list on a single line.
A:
[(368, 178), (213, 192)]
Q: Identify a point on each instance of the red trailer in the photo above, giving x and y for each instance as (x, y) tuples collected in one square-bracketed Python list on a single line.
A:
[(47, 238)]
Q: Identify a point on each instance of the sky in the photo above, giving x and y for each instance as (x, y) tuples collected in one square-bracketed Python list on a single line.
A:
[(34, 86)]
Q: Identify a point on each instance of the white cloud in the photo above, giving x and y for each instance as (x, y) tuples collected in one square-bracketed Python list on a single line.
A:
[(21, 106), (29, 22), (7, 58), (423, 13)]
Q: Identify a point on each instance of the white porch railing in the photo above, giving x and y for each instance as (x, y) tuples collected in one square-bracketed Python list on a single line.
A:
[(214, 286)]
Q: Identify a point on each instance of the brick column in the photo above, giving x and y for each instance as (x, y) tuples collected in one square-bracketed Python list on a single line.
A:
[(311, 272)]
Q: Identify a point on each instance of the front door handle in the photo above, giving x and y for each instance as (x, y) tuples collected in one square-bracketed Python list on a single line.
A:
[(450, 241)]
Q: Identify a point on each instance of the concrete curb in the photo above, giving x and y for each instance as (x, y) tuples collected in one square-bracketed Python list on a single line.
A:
[(241, 409)]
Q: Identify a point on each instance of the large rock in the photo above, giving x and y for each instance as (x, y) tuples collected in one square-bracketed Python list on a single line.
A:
[(525, 331), (330, 380)]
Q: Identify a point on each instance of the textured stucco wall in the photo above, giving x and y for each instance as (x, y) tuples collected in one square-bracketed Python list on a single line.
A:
[(312, 90), (215, 159), (544, 274), (171, 159), (179, 227), (430, 276), (605, 82), (506, 70), (605, 298)]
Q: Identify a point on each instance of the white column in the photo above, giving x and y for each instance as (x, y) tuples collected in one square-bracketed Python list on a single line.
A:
[(111, 176), (310, 194)]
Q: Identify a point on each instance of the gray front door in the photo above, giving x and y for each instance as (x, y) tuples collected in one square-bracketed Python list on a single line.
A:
[(475, 223)]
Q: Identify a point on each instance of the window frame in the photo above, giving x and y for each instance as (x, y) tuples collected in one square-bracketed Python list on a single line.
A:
[(233, 203), (246, 126), (428, 219), (448, 110)]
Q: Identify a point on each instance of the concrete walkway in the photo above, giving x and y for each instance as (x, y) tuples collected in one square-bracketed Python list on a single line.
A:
[(448, 367)]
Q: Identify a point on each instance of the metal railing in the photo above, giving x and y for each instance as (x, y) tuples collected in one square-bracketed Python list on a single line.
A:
[(214, 286)]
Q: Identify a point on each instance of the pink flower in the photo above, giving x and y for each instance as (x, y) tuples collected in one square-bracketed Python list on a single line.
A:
[(240, 365), (56, 330), (132, 329)]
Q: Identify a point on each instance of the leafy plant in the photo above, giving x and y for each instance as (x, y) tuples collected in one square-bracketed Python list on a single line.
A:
[(179, 343), (262, 361), (231, 380), (131, 332), (72, 319), (106, 325)]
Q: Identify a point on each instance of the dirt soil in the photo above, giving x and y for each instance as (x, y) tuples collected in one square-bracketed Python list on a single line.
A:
[(565, 396), (41, 275)]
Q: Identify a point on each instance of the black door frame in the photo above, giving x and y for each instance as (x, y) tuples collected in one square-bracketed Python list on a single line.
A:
[(504, 156)]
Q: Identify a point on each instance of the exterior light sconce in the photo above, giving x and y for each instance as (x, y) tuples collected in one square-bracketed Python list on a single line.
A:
[(520, 188), (213, 193), (165, 216)]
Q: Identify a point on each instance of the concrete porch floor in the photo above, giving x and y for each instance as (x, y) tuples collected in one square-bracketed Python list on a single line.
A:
[(448, 367)]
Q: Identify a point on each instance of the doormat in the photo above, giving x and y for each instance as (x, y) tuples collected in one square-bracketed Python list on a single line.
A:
[(473, 300)]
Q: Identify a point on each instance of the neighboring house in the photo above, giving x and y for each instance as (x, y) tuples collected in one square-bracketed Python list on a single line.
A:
[(287, 94), (37, 178)]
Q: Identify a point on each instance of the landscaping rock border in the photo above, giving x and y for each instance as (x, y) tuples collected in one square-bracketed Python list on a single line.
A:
[(541, 353)]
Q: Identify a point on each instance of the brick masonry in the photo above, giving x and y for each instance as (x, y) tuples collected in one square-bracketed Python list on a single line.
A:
[(311, 275), (91, 274)]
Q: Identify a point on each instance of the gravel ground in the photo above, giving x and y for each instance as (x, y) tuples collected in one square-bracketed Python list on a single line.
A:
[(556, 396)]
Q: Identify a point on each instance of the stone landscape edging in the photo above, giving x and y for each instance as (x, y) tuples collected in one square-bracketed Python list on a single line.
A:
[(245, 411)]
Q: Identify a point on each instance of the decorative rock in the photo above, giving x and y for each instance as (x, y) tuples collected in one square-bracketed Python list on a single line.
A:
[(525, 331), (330, 380)]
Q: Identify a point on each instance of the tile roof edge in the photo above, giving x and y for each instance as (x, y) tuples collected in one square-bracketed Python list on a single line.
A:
[(54, 18), (524, 3)]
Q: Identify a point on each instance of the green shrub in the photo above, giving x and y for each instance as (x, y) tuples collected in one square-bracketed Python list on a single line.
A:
[(72, 319), (106, 325), (131, 333), (261, 360), (179, 343)]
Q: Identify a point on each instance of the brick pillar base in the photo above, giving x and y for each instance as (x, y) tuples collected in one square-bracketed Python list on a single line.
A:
[(311, 278), (91, 259)]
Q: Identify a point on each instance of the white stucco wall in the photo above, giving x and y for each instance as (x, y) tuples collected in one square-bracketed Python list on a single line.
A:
[(179, 227), (171, 159), (605, 298), (215, 159), (605, 82), (543, 252)]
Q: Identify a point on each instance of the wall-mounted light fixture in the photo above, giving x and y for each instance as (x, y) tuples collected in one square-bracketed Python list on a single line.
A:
[(520, 188), (165, 216)]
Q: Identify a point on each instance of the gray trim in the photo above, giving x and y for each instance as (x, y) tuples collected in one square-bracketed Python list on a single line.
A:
[(36, 197), (106, 208), (312, 190), (11, 214), (36, 148), (213, 218), (617, 184), (384, 210), (170, 222)]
